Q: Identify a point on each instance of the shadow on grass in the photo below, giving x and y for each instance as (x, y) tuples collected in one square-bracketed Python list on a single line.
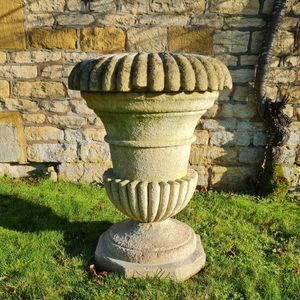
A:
[(80, 238)]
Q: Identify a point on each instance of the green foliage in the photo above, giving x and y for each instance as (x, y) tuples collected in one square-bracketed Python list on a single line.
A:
[(275, 184), (49, 231)]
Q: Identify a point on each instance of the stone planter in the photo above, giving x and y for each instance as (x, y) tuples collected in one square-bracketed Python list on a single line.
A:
[(150, 105)]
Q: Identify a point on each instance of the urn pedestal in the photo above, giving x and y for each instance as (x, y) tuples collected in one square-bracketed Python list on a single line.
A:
[(150, 105)]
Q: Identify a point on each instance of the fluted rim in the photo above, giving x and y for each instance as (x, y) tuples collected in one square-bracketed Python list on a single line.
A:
[(151, 72)]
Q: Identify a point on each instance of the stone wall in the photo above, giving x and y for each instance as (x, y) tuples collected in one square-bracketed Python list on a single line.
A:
[(43, 124)]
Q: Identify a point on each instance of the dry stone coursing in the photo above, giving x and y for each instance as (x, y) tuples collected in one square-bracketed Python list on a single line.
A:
[(37, 54)]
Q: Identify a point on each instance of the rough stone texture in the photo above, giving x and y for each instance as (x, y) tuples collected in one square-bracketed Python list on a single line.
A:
[(11, 138), (152, 39), (250, 7), (39, 89), (19, 171), (4, 89), (51, 39), (231, 42), (168, 72), (12, 28), (46, 133), (182, 39), (106, 40)]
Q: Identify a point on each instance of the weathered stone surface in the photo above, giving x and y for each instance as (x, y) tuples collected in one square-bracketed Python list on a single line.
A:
[(39, 56), (227, 59), (19, 171), (154, 72), (106, 40), (292, 61), (82, 172), (45, 133), (222, 138), (49, 39), (46, 5), (2, 57), (182, 39), (280, 75), (94, 152), (39, 89), (4, 89), (26, 72), (22, 105), (73, 135), (242, 111), (179, 6), (247, 7), (202, 137), (34, 118), (212, 21), (202, 175), (206, 155), (56, 71), (11, 138), (60, 106), (80, 107), (243, 75), (120, 20), (74, 19), (249, 60), (216, 125), (12, 25), (251, 155), (243, 93), (153, 39), (164, 20), (69, 121), (94, 134), (231, 178), (231, 42), (40, 19), (259, 139), (243, 22), (106, 6), (52, 153)]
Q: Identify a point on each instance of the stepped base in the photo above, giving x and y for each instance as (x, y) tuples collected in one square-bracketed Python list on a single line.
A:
[(165, 249)]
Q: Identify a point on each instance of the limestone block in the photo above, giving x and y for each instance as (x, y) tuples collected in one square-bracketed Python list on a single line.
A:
[(231, 178), (153, 39), (46, 56), (10, 72), (296, 7), (68, 121), (246, 7), (40, 19), (60, 106), (11, 138), (12, 25), (49, 39), (280, 75), (74, 19), (243, 22), (74, 5), (94, 152), (186, 7), (4, 89), (2, 57), (22, 105), (106, 40), (19, 171), (292, 61), (212, 21), (241, 111), (163, 20), (206, 155), (73, 135), (120, 20), (56, 71), (294, 93), (133, 7), (82, 172), (202, 137), (80, 107), (46, 6), (52, 152), (251, 155), (94, 134), (249, 60), (45, 133), (228, 60), (106, 6), (216, 125), (243, 75), (221, 138), (182, 39), (289, 23), (39, 89), (34, 118), (243, 93), (259, 139), (288, 156), (231, 42), (202, 175)]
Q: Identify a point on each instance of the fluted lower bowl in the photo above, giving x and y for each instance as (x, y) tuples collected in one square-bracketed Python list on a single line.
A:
[(150, 201)]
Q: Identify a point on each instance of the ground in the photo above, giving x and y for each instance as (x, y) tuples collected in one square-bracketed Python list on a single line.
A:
[(49, 231)]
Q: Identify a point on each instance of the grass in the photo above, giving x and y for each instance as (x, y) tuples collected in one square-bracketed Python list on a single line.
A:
[(49, 231)]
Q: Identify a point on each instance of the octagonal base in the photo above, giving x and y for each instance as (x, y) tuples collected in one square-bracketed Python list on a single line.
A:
[(165, 249)]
